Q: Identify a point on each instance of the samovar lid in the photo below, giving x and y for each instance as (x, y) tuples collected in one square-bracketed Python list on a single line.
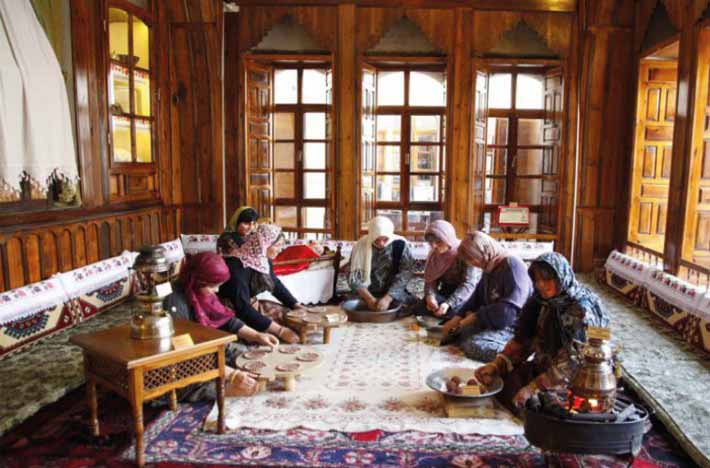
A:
[(151, 259)]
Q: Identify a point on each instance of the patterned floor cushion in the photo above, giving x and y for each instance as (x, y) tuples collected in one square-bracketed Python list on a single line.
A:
[(626, 275)]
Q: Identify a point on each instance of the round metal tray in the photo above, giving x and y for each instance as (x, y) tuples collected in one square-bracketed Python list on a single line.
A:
[(432, 324), (358, 312), (437, 381)]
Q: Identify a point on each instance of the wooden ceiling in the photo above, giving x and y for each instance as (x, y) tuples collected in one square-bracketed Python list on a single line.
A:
[(562, 6)]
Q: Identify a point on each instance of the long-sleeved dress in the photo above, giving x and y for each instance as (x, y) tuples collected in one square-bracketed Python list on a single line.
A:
[(240, 288), (455, 287), (383, 278), (497, 301)]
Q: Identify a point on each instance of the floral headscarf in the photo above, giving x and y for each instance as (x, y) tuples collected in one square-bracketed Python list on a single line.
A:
[(253, 252)]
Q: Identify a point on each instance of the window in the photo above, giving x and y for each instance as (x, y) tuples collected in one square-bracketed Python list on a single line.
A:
[(404, 146), (522, 144), (302, 168), (130, 101)]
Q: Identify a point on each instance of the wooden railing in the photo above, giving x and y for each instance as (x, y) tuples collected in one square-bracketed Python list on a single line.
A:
[(695, 274), (644, 254)]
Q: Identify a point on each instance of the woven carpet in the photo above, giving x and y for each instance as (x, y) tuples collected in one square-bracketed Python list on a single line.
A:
[(58, 437)]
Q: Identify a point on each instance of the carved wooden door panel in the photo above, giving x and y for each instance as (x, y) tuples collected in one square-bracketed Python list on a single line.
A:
[(480, 118), (258, 137), (367, 146), (652, 153), (552, 139)]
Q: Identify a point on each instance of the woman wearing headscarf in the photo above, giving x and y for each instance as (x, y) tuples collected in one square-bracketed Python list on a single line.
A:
[(485, 323), (194, 298), (448, 281), (251, 273), (551, 325), (381, 265), (240, 225)]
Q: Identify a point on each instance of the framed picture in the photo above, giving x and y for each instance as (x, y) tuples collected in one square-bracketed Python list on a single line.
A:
[(513, 216)]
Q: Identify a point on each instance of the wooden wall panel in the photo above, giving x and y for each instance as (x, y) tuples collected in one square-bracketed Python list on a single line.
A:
[(554, 29)]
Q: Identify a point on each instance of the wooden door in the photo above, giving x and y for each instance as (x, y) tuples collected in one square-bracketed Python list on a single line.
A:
[(552, 139), (367, 146), (652, 153), (480, 118), (258, 137)]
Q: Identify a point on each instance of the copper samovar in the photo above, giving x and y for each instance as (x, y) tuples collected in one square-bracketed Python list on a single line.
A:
[(150, 320), (593, 387)]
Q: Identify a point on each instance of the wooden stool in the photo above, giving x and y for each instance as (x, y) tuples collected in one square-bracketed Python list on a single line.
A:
[(319, 317)]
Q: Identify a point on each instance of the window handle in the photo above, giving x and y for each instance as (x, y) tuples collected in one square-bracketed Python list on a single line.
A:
[(299, 156), (407, 159)]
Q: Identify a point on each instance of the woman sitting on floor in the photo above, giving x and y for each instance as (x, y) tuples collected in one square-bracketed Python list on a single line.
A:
[(241, 224), (485, 323), (251, 273), (448, 281), (552, 323), (194, 298), (381, 265)]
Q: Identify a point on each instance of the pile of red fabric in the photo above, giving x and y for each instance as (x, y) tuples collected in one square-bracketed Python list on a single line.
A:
[(294, 252)]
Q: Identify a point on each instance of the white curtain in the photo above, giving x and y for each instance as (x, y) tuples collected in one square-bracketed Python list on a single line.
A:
[(35, 123)]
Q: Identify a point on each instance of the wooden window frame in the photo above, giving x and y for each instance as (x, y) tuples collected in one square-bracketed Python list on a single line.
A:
[(299, 110), (406, 112)]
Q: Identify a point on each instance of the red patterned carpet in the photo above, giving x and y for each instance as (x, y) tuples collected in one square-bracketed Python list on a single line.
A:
[(58, 437)]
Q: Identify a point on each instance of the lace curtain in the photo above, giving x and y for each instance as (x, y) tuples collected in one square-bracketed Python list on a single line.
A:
[(36, 139)]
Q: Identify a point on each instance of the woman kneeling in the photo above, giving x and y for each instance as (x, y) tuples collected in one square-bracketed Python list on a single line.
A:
[(552, 323)]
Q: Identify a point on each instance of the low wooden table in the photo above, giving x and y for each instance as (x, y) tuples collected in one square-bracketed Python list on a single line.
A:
[(140, 370), (318, 313)]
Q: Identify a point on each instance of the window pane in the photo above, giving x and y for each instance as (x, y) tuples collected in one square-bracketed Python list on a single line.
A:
[(528, 162), (118, 35), (388, 188), (495, 191), (286, 216), (528, 191), (389, 128), (419, 220), (424, 158), (499, 85), (313, 89), (425, 129), (284, 126), (314, 185), (388, 158), (427, 88), (314, 155), (530, 132), (529, 93), (497, 131), (394, 215), (313, 217), (143, 141), (284, 183), (141, 43), (285, 86), (314, 126), (424, 188), (284, 156), (390, 88), (141, 82), (118, 91), (121, 139), (496, 161)]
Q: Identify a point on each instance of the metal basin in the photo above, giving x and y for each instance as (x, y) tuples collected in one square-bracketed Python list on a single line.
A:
[(437, 381), (358, 312)]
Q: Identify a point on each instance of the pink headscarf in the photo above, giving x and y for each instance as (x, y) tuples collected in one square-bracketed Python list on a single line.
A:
[(437, 264), (484, 250), (253, 252), (204, 269)]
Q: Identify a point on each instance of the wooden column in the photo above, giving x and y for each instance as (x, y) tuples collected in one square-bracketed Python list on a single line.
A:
[(459, 170), (234, 188), (347, 167), (682, 147), (606, 115)]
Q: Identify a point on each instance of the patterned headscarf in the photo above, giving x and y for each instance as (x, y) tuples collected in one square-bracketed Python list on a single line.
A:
[(253, 252), (206, 269), (484, 250), (361, 256), (438, 263)]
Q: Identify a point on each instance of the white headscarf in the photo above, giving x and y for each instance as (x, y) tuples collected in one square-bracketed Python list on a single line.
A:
[(361, 256)]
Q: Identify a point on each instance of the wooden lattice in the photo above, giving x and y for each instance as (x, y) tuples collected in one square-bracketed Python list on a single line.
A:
[(109, 370), (175, 372)]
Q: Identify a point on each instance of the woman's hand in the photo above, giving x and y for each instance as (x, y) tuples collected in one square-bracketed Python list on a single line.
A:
[(450, 325), (288, 335), (468, 320), (487, 373), (241, 383), (384, 302), (299, 306), (442, 310), (524, 394), (431, 303), (267, 339)]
